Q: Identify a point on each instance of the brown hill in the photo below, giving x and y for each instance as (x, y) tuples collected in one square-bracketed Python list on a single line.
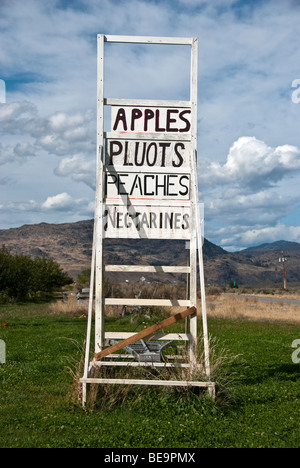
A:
[(70, 245)]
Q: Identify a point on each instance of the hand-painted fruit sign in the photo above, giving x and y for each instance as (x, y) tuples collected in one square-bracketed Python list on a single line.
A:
[(147, 173), (151, 120)]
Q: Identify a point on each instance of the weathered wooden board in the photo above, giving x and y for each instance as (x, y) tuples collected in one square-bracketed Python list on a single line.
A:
[(142, 154), (147, 302), (171, 188), (151, 120), (149, 40), (148, 269), (147, 222), (156, 336), (146, 103)]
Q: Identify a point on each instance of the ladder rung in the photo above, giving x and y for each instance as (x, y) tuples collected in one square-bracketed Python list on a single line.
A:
[(147, 302), (157, 336), (148, 269)]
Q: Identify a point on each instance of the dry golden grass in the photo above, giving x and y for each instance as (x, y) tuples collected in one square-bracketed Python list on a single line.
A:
[(108, 395), (218, 306), (71, 307), (251, 309), (238, 307), (281, 295)]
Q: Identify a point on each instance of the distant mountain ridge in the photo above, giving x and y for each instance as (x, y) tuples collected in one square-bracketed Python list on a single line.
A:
[(277, 246), (70, 244)]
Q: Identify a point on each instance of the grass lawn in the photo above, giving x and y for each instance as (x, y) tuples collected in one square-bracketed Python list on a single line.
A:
[(38, 406)]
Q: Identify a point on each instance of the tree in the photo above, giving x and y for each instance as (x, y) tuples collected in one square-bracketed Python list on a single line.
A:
[(48, 275), (83, 279), (21, 277)]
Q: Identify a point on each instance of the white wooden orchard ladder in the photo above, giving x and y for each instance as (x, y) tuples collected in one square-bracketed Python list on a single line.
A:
[(195, 238)]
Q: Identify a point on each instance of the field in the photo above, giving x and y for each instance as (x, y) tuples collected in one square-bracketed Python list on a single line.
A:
[(257, 405), (255, 308)]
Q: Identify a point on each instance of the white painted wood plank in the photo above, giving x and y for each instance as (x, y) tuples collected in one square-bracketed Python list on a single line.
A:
[(193, 251), (147, 302), (130, 356), (146, 156), (140, 364), (147, 136), (158, 336), (148, 206), (99, 312), (151, 120), (90, 316), (172, 336), (149, 40), (148, 187), (177, 383), (138, 235), (148, 269), (202, 279), (146, 170), (125, 220), (145, 103)]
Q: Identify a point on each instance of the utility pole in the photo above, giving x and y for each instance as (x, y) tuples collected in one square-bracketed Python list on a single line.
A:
[(282, 260)]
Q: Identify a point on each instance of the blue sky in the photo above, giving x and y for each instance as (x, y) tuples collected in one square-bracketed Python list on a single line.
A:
[(248, 124)]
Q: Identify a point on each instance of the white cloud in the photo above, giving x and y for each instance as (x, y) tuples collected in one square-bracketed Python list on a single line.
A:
[(262, 207), (62, 133), (14, 116), (59, 134), (65, 203), (80, 169), (5, 155), (24, 150), (254, 165), (208, 4), (259, 235), (18, 153), (247, 197), (60, 202), (61, 121), (31, 205), (18, 207), (14, 110), (248, 60)]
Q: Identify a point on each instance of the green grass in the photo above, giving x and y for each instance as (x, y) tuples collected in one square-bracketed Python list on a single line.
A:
[(38, 405)]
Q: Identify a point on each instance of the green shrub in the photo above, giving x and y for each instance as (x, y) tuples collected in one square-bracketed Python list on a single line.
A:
[(22, 278)]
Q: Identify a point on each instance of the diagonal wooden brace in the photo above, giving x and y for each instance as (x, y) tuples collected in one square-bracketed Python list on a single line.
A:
[(146, 332)]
